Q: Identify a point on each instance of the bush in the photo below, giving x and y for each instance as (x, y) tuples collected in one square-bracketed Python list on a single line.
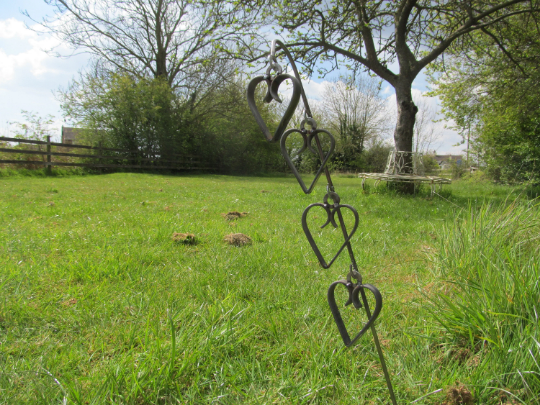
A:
[(430, 165)]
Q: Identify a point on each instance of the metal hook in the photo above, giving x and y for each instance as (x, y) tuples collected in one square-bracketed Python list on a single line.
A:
[(272, 56), (272, 60), (353, 273)]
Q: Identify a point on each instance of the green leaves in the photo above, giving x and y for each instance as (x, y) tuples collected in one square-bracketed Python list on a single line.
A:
[(486, 90)]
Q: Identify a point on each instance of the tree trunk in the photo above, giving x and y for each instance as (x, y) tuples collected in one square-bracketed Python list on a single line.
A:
[(161, 64), (403, 134)]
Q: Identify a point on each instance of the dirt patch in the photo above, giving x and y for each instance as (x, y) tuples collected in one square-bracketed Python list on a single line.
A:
[(69, 302), (461, 355), (232, 215), (506, 399), (265, 191), (237, 239), (185, 238), (458, 395)]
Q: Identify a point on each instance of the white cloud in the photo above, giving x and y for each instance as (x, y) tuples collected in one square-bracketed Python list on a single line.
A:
[(387, 90), (13, 28), (24, 51), (313, 89), (28, 74)]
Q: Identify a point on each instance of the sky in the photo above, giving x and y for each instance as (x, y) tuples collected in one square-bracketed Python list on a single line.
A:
[(30, 76)]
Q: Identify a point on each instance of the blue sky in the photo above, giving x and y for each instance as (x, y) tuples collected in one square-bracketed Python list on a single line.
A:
[(29, 76)]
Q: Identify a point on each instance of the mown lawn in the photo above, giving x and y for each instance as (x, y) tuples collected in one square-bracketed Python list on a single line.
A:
[(98, 304)]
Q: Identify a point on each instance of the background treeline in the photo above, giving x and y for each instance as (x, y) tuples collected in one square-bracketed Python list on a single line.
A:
[(212, 121), (149, 116)]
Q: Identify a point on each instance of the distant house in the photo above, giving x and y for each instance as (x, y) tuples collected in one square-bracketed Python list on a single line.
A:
[(445, 161), (71, 135)]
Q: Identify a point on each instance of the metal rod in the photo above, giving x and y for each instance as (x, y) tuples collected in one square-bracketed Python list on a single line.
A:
[(379, 350), (295, 70), (364, 298)]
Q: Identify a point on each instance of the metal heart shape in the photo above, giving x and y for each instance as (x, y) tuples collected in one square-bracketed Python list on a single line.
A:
[(272, 94), (354, 290), (307, 143), (331, 212)]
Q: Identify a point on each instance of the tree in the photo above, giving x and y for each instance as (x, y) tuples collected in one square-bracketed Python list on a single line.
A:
[(34, 126), (231, 137), (172, 39), (488, 92), (146, 116), (376, 34), (356, 113), (127, 113)]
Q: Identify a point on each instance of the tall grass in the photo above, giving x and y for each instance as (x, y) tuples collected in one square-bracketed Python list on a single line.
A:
[(489, 302)]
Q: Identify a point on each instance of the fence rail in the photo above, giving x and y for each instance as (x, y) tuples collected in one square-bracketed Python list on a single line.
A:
[(121, 158)]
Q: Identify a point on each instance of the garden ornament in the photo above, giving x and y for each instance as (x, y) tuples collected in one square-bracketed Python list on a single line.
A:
[(331, 205)]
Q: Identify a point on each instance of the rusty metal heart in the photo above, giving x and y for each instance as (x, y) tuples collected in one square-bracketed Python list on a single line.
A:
[(331, 212), (354, 290), (272, 94), (307, 144)]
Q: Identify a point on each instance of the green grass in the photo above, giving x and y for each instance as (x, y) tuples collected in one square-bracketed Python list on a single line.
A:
[(488, 298), (98, 304)]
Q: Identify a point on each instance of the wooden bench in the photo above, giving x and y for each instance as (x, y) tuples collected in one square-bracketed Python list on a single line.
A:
[(398, 169)]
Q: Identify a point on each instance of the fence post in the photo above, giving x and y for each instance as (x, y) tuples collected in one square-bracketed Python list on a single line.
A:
[(49, 167), (100, 159)]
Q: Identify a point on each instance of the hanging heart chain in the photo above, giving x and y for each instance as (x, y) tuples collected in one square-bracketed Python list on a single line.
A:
[(311, 141)]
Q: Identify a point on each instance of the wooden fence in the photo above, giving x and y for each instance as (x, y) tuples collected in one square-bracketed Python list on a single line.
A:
[(99, 157)]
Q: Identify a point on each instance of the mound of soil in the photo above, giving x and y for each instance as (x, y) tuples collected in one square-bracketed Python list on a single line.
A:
[(185, 238), (459, 395), (232, 215), (237, 239)]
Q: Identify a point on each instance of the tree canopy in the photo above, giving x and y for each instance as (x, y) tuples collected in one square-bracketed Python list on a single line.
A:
[(173, 39), (488, 88), (393, 39)]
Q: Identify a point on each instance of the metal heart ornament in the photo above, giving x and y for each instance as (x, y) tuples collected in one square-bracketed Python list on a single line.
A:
[(354, 290), (307, 144), (330, 212), (272, 94)]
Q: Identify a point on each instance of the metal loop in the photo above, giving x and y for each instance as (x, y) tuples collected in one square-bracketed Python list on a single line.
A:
[(275, 67), (353, 273), (310, 121), (333, 196)]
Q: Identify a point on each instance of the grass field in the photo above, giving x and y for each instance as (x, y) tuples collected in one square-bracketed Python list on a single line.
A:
[(98, 303)]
